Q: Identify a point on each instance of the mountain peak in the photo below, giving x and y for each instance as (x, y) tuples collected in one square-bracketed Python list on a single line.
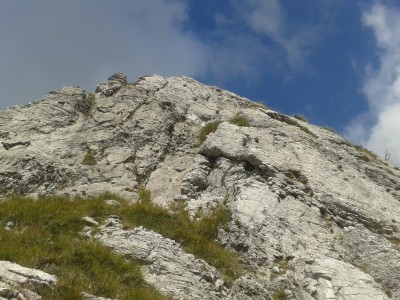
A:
[(310, 212)]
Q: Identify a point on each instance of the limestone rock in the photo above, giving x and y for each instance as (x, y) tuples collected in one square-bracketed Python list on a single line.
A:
[(166, 265), (309, 209), (16, 280)]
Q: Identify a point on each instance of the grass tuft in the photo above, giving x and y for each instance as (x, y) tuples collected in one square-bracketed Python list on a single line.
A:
[(300, 117), (207, 129), (89, 159), (239, 121)]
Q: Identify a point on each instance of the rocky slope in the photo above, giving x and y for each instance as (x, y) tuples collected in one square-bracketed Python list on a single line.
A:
[(313, 216)]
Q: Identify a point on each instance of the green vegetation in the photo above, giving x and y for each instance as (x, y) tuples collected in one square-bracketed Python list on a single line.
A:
[(258, 105), (239, 121), (207, 129), (91, 97), (283, 266), (46, 236), (395, 242), (365, 151), (279, 295), (196, 237), (296, 175), (329, 129), (306, 130), (300, 117), (89, 159)]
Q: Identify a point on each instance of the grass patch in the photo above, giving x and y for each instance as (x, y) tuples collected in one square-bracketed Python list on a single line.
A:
[(365, 151), (207, 129), (395, 243), (258, 105), (240, 121), (196, 236), (306, 130), (279, 295), (46, 236), (329, 129), (91, 97), (89, 159), (300, 117)]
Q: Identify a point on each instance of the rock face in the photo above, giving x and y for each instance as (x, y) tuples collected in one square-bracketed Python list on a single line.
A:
[(16, 280), (313, 217), (167, 266)]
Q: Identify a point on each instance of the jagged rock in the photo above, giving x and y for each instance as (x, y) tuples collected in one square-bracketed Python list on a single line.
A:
[(166, 265), (112, 85), (16, 280), (302, 198), (328, 278)]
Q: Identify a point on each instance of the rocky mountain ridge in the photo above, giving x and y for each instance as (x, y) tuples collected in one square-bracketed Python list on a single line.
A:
[(313, 216)]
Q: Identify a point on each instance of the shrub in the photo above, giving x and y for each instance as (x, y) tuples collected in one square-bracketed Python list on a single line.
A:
[(300, 117), (279, 295), (366, 151), (258, 105), (239, 121), (308, 131), (91, 97), (207, 129), (144, 195), (329, 129), (89, 159)]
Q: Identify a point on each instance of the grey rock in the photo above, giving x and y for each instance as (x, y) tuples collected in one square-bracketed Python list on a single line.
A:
[(13, 276), (308, 208), (90, 221), (166, 265)]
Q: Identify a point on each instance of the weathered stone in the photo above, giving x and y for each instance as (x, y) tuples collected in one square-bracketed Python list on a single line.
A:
[(13, 279), (308, 208), (166, 265)]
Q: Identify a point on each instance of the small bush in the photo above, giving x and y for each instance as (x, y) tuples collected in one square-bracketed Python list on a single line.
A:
[(89, 159), (258, 105), (366, 151), (91, 97), (306, 130), (329, 129), (144, 195), (279, 295), (300, 117), (239, 121), (207, 129)]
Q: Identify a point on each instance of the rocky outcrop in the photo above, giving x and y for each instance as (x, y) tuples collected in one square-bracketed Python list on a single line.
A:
[(313, 216), (166, 265), (17, 282)]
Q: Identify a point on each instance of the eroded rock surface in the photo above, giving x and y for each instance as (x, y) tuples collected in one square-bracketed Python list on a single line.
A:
[(16, 281), (313, 216), (166, 265)]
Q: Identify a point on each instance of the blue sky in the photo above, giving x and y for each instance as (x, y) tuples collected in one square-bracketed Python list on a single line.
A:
[(334, 61)]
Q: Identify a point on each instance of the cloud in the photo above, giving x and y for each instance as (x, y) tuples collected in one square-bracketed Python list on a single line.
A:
[(269, 19), (46, 44), (378, 129)]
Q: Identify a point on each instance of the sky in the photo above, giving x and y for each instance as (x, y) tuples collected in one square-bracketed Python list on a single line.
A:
[(337, 62)]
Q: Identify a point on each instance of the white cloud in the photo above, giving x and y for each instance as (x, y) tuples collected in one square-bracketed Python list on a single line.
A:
[(46, 44), (269, 19), (379, 128)]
